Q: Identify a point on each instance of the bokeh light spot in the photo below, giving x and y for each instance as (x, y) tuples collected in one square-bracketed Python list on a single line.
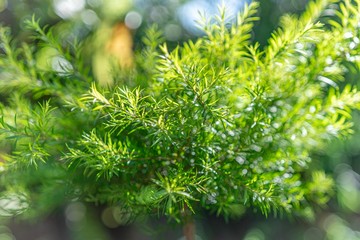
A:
[(349, 189), (61, 65), (89, 17), (255, 234), (121, 216), (172, 32), (189, 15), (68, 8), (133, 20), (158, 14), (75, 212), (108, 219)]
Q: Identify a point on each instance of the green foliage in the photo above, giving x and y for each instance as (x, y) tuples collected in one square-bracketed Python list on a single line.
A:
[(215, 124)]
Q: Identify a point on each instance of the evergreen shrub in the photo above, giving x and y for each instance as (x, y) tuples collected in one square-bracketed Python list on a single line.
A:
[(219, 123)]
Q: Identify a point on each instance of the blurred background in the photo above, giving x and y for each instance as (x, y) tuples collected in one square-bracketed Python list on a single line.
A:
[(116, 27)]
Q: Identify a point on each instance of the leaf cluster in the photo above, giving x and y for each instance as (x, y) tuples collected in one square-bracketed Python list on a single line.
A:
[(217, 123)]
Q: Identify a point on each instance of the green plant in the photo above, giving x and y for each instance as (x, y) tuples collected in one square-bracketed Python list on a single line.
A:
[(216, 124)]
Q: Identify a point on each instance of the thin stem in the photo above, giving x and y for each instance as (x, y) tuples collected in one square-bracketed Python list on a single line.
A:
[(189, 230)]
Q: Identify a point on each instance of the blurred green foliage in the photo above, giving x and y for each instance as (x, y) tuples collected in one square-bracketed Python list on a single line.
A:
[(340, 158)]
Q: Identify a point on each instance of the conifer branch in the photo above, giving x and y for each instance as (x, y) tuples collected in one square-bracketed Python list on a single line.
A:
[(215, 124)]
